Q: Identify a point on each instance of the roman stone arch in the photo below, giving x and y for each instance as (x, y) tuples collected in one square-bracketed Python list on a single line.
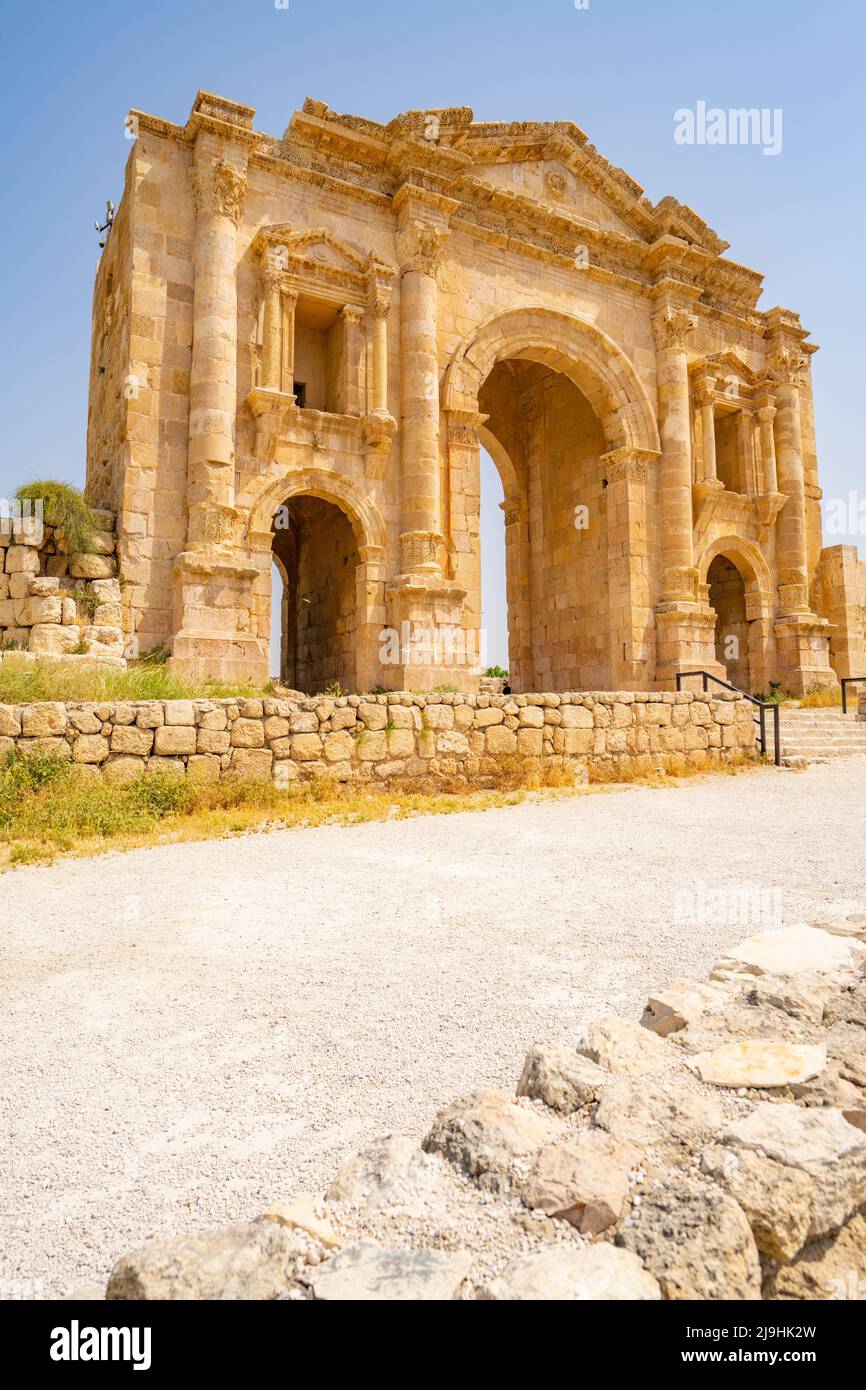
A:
[(352, 522), (746, 560), (573, 346), (608, 427)]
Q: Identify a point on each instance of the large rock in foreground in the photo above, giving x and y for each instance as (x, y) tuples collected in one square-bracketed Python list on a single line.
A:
[(695, 1241), (258, 1261), (490, 1139)]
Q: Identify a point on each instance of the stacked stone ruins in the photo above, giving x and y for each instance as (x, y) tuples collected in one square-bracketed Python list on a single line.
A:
[(716, 1152), (53, 604), (302, 343)]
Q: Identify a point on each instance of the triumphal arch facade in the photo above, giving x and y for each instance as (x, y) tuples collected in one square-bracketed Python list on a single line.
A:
[(301, 345)]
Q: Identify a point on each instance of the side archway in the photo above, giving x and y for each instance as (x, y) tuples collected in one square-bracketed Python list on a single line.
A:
[(325, 544), (737, 587)]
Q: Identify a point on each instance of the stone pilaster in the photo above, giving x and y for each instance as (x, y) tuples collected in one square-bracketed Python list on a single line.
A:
[(632, 646), (378, 307), (680, 632)]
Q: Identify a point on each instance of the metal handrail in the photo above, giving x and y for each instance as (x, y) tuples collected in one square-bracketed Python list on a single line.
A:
[(845, 682), (760, 718)]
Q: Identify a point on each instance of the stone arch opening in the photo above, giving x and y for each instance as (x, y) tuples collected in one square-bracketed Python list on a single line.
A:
[(556, 400), (316, 556), (738, 589), (727, 597)]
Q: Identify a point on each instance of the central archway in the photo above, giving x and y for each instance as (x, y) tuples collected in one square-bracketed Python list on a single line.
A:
[(564, 417)]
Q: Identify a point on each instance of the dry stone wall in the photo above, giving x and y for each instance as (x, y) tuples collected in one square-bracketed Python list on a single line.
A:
[(716, 1152), (385, 738), (53, 603)]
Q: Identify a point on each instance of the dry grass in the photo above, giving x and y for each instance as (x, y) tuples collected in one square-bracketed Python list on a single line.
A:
[(822, 699), (23, 682), (49, 807)]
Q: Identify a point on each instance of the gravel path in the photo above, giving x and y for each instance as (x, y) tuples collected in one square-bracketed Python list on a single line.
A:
[(194, 1031)]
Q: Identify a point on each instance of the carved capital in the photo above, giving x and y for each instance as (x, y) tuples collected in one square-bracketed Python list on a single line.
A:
[(379, 301), (766, 414), (421, 247), (463, 427), (419, 550), (629, 465), (672, 326), (786, 362), (352, 314), (219, 187)]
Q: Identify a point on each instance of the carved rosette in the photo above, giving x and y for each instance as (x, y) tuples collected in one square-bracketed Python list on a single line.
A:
[(219, 188), (672, 326), (421, 248)]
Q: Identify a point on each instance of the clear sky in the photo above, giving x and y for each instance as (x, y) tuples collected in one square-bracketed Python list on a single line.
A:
[(619, 69)]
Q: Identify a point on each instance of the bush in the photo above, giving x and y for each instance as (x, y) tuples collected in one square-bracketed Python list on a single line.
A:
[(64, 506)]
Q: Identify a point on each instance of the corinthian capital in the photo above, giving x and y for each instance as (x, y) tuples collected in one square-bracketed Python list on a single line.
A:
[(672, 326), (219, 187), (786, 362), (421, 247)]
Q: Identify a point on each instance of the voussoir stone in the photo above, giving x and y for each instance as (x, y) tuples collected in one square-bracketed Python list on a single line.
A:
[(490, 1138), (760, 1062), (562, 1273), (695, 1240), (561, 1078), (820, 1142), (618, 1045), (256, 1261), (367, 1272)]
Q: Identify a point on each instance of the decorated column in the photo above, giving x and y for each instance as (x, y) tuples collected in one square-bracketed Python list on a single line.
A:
[(802, 638), (682, 624)]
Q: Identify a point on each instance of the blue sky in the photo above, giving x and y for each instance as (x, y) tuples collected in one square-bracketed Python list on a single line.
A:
[(70, 72)]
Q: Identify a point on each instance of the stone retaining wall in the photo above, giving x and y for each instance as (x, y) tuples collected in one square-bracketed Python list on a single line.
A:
[(385, 737), (53, 603)]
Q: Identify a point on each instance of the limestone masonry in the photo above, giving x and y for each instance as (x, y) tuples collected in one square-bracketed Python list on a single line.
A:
[(301, 343), (383, 739)]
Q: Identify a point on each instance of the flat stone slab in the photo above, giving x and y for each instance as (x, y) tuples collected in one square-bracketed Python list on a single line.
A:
[(792, 951), (758, 1062), (563, 1273), (367, 1272)]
